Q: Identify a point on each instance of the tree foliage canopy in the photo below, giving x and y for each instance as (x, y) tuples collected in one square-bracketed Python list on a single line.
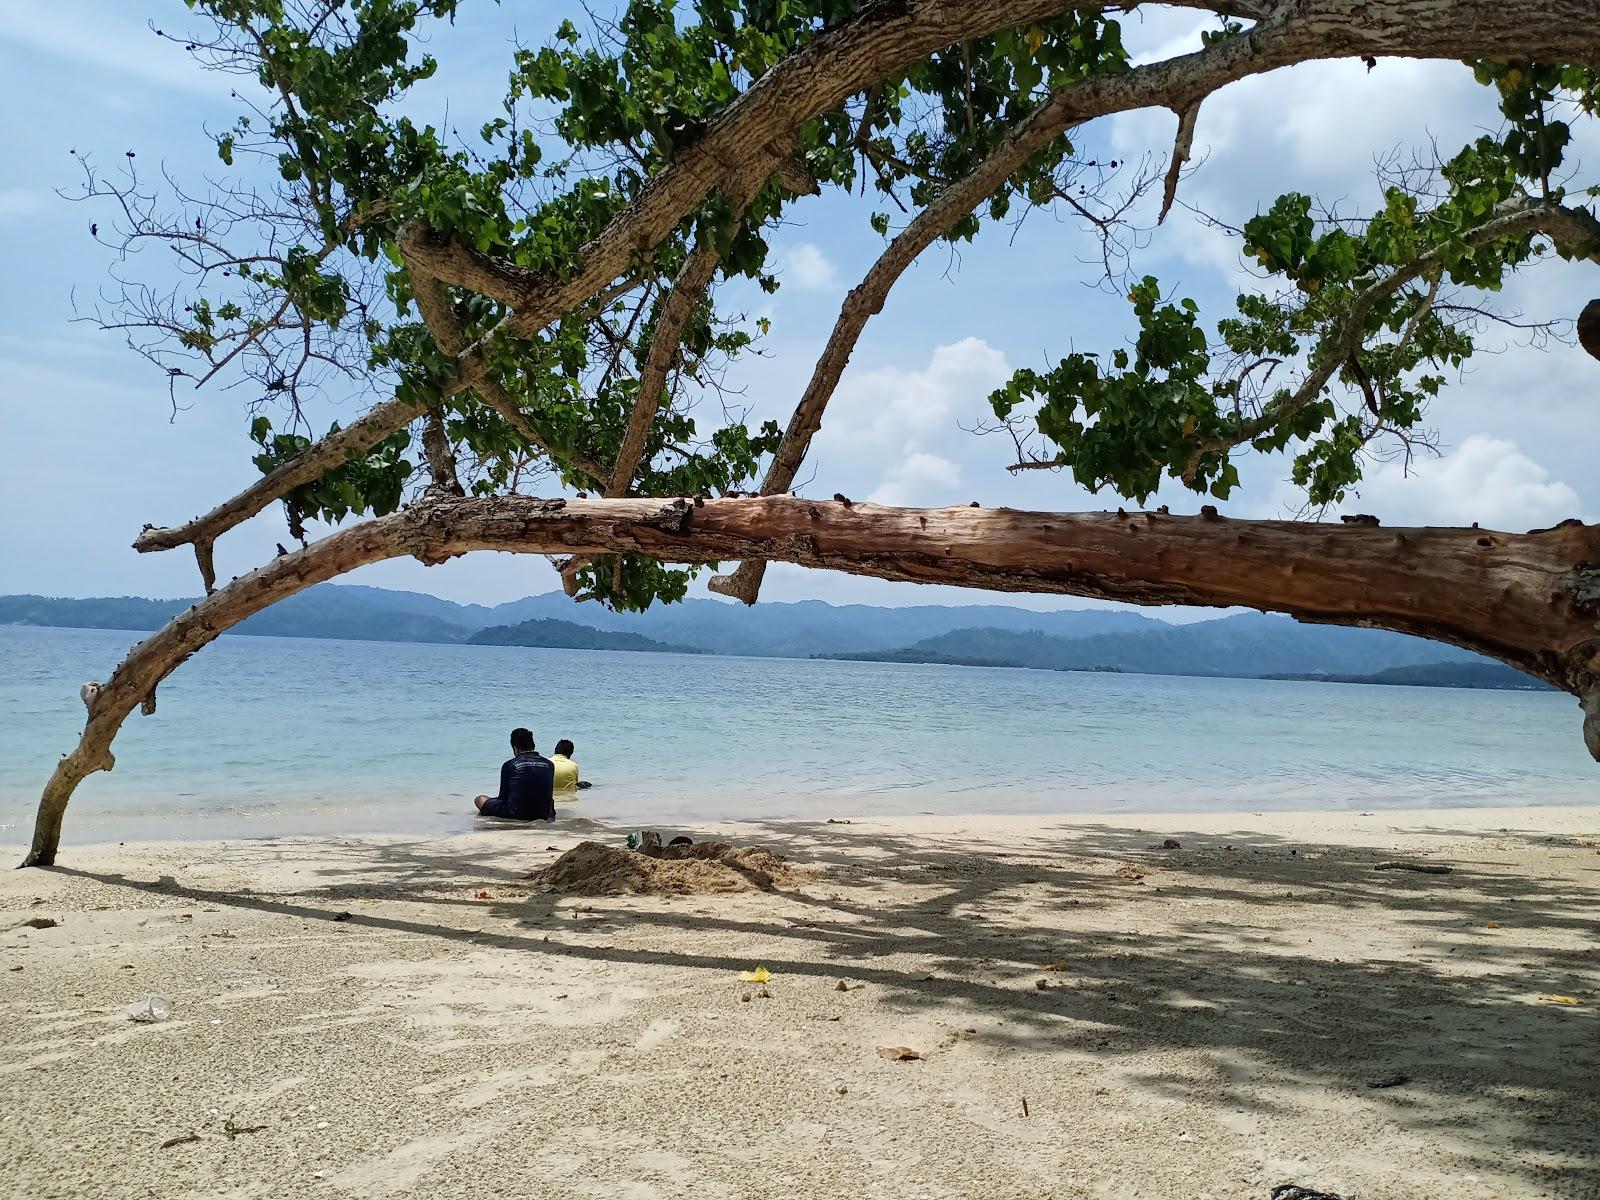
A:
[(548, 291)]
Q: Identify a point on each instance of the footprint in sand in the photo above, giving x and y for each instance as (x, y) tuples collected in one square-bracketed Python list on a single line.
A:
[(397, 1171), (655, 1033)]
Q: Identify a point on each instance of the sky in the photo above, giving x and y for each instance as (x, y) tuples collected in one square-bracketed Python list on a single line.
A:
[(94, 448)]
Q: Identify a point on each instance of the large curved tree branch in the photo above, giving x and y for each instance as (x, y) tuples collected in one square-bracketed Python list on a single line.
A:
[(1531, 600), (879, 40), (885, 37), (1180, 82), (882, 38)]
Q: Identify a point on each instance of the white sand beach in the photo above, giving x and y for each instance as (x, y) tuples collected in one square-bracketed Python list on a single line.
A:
[(1095, 1017)]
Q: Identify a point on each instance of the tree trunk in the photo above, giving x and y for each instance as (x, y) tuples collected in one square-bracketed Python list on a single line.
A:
[(1531, 600)]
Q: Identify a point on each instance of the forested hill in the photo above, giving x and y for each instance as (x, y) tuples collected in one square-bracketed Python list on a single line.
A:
[(1444, 674), (568, 635), (1249, 645), (1246, 645)]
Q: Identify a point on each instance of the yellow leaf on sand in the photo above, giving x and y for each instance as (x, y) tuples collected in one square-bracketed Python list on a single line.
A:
[(1568, 1000), (759, 975)]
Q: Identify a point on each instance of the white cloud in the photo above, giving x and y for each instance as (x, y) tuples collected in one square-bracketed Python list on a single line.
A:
[(921, 479), (895, 405), (1319, 128), (807, 267), (1155, 35), (1327, 122), (1485, 479)]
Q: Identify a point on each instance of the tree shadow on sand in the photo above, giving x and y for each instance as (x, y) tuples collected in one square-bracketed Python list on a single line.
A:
[(1447, 1000)]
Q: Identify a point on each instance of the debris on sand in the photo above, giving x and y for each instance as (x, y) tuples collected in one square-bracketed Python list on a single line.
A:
[(1424, 868), (899, 1053), (594, 869), (149, 1010), (1390, 1081)]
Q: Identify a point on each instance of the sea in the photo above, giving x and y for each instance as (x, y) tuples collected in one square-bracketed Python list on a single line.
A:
[(277, 737)]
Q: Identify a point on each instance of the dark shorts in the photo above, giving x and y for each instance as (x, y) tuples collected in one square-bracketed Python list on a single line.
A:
[(498, 808)]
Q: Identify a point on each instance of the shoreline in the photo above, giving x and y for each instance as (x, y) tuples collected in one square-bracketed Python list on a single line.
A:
[(1203, 819), (397, 1015)]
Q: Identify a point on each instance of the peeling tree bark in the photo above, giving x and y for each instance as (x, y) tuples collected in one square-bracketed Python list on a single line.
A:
[(1531, 600)]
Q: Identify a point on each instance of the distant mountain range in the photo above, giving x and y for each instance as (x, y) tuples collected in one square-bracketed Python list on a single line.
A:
[(1248, 645), (769, 630)]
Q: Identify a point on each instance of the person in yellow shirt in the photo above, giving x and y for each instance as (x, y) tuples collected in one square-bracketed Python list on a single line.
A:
[(566, 781)]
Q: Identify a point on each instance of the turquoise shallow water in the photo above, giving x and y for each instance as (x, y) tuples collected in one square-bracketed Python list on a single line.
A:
[(276, 736)]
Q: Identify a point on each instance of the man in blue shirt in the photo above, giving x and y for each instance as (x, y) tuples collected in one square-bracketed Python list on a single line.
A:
[(527, 783)]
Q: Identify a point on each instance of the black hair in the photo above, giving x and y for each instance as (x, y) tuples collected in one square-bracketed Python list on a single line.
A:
[(565, 746), (521, 739)]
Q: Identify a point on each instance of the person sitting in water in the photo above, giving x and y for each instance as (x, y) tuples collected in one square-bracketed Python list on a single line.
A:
[(526, 784), (566, 770)]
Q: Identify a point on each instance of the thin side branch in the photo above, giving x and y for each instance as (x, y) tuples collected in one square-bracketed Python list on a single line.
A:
[(688, 289), (310, 465), (1576, 231), (441, 455), (433, 301), (1181, 148)]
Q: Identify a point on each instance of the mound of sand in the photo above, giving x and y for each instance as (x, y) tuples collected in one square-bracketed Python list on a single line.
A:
[(593, 869)]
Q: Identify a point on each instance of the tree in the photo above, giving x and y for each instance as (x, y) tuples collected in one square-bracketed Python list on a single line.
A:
[(537, 308)]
